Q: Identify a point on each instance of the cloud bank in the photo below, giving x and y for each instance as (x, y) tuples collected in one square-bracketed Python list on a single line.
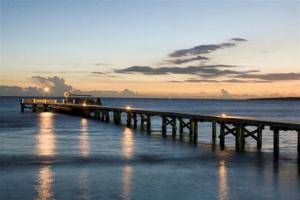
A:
[(57, 87)]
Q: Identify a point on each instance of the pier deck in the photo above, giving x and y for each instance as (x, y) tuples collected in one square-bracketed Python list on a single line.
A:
[(240, 127)]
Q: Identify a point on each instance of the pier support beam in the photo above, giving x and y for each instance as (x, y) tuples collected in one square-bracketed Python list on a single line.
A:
[(259, 137), (195, 130), (134, 120), (213, 131), (117, 117), (102, 118), (174, 127), (238, 137), (298, 145), (164, 126), (148, 123), (107, 116), (142, 121), (129, 119), (222, 135), (34, 108), (276, 142)]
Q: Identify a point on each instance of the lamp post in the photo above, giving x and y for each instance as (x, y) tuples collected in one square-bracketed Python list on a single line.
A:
[(46, 90)]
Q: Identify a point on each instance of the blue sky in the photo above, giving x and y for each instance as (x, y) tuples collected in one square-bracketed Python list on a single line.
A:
[(48, 37)]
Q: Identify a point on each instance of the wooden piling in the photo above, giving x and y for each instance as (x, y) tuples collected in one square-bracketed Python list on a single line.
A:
[(222, 135), (134, 120), (142, 121), (34, 108), (298, 146), (276, 142), (117, 117), (259, 137), (148, 123), (107, 116), (181, 126), (195, 128), (174, 127), (163, 126), (129, 116), (238, 137), (213, 131)]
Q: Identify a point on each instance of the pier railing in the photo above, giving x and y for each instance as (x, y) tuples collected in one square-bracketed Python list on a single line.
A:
[(180, 123)]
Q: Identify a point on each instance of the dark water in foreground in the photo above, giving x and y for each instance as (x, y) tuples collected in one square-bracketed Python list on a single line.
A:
[(53, 156)]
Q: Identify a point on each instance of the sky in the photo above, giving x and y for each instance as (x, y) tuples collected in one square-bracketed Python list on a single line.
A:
[(185, 49)]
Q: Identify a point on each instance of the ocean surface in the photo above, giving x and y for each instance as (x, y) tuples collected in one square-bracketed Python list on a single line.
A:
[(47, 155)]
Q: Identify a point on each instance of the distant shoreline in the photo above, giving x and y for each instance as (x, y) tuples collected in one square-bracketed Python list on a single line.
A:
[(278, 98), (251, 99)]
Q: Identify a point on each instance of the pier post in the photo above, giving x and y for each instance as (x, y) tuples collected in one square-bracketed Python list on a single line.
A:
[(298, 145), (22, 105), (259, 137), (195, 128), (222, 135), (163, 126), (134, 120), (174, 127), (107, 116), (276, 142), (214, 131), (45, 106), (191, 126), (181, 126), (142, 121), (148, 123), (117, 117), (243, 137), (34, 108), (102, 115), (238, 137), (129, 116)]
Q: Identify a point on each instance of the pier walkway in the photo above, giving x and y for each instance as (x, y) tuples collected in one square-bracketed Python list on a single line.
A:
[(180, 123)]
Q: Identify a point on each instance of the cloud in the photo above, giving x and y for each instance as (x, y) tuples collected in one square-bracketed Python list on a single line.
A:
[(205, 49), (225, 94), (239, 39), (222, 81), (186, 60), (57, 87), (202, 70), (272, 76), (19, 91), (201, 49), (56, 84)]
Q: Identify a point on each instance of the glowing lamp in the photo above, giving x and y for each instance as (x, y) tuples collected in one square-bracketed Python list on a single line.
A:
[(46, 89), (223, 115)]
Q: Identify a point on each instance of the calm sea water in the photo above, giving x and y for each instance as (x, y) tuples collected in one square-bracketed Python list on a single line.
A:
[(47, 155)]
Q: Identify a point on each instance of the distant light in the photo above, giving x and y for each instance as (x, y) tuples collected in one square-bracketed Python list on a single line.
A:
[(223, 115), (84, 104), (46, 89), (128, 107)]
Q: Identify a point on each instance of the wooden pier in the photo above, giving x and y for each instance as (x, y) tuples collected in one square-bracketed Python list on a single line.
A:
[(181, 123)]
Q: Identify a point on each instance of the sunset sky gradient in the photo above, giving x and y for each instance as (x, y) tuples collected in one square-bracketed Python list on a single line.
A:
[(193, 49)]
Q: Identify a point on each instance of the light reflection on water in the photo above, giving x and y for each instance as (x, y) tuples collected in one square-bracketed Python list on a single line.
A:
[(127, 144), (44, 183), (83, 186), (46, 139), (84, 138), (223, 185), (45, 146), (128, 152)]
